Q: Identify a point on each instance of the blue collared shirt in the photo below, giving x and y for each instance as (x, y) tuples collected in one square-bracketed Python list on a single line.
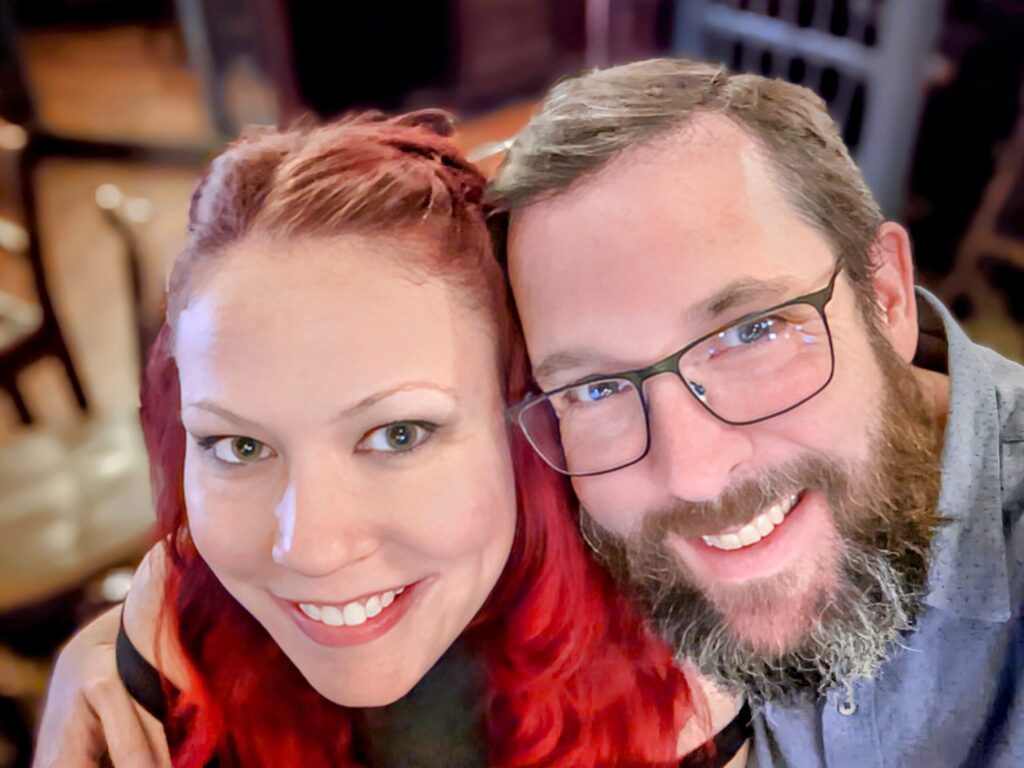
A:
[(952, 694)]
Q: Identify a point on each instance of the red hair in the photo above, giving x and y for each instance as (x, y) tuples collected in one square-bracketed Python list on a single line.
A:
[(573, 677)]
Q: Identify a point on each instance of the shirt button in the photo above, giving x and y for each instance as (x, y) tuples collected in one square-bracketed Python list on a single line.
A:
[(847, 708)]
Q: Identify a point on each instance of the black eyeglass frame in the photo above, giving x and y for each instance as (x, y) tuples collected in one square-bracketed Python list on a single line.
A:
[(818, 299)]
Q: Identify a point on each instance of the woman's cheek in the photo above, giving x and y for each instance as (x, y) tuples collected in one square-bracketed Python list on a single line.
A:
[(229, 527), (473, 511)]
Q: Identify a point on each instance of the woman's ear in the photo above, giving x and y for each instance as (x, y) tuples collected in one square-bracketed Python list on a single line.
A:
[(893, 283)]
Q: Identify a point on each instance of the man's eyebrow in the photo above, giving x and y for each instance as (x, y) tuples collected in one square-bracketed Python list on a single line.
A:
[(575, 358), (739, 292), (363, 404)]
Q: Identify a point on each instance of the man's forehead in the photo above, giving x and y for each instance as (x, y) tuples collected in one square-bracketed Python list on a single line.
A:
[(704, 189), (710, 173), (705, 142)]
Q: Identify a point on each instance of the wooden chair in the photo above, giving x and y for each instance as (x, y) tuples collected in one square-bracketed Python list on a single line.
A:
[(869, 61), (38, 143)]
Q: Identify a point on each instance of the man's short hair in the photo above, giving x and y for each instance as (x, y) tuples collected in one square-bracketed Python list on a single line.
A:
[(587, 121)]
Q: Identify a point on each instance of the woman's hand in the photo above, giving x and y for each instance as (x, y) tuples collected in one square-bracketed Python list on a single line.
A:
[(89, 713)]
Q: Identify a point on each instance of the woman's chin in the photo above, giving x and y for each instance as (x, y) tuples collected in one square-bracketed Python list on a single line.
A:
[(360, 691)]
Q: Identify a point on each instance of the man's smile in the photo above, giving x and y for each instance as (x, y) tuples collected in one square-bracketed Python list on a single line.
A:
[(806, 528), (737, 537)]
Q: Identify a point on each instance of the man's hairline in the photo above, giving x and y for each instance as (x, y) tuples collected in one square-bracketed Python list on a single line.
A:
[(660, 141)]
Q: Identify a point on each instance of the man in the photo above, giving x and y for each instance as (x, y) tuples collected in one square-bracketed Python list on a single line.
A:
[(810, 477)]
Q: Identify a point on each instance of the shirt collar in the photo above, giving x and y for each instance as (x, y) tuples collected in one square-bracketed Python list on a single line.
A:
[(968, 573)]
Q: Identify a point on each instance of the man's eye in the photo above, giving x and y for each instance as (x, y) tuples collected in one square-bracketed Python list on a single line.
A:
[(596, 391), (398, 437), (750, 332), (237, 449)]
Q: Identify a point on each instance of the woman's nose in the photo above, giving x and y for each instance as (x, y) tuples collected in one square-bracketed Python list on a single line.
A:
[(322, 524)]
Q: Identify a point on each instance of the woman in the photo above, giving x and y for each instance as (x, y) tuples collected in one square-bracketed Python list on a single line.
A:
[(324, 416)]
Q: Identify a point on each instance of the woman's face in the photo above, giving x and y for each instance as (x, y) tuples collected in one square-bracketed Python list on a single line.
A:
[(347, 475)]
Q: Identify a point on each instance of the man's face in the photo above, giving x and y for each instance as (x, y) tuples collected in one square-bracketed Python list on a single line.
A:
[(617, 274)]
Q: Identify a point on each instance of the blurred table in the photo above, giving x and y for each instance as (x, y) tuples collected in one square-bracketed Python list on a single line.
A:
[(70, 507)]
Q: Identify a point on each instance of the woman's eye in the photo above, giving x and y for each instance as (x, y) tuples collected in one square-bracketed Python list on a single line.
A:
[(398, 437), (238, 450)]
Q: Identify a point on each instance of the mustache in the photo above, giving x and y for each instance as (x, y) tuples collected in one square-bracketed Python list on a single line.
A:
[(738, 504)]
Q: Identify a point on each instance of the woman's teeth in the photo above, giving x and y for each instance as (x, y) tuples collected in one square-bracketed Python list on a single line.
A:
[(350, 614), (756, 529)]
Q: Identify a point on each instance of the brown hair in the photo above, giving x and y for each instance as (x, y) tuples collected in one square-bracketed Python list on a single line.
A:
[(587, 121)]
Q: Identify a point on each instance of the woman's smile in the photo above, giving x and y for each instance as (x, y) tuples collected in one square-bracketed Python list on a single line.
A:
[(354, 622)]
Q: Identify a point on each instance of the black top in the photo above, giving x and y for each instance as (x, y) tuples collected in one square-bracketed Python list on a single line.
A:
[(718, 751), (428, 726)]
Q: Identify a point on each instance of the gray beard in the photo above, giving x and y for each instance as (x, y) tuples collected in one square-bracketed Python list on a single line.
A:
[(885, 515), (853, 633)]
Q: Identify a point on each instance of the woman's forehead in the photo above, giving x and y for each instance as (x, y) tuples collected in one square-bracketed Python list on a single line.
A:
[(334, 318)]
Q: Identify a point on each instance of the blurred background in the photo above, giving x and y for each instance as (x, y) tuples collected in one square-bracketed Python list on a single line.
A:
[(110, 108)]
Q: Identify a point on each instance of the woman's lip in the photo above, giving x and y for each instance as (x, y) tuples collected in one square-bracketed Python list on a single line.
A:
[(371, 629), (339, 603)]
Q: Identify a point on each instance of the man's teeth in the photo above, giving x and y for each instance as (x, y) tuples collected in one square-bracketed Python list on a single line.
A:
[(756, 529), (350, 614)]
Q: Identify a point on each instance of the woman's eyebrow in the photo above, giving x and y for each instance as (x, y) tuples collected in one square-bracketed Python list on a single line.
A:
[(410, 386), (217, 410), (366, 402)]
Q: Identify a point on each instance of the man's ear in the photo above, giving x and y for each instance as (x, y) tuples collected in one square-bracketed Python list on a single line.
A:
[(893, 284)]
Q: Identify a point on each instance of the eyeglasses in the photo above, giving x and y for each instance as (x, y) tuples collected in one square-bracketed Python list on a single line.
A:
[(758, 367)]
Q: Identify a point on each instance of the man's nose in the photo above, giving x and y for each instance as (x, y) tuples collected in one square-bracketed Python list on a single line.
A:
[(323, 524), (693, 453)]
